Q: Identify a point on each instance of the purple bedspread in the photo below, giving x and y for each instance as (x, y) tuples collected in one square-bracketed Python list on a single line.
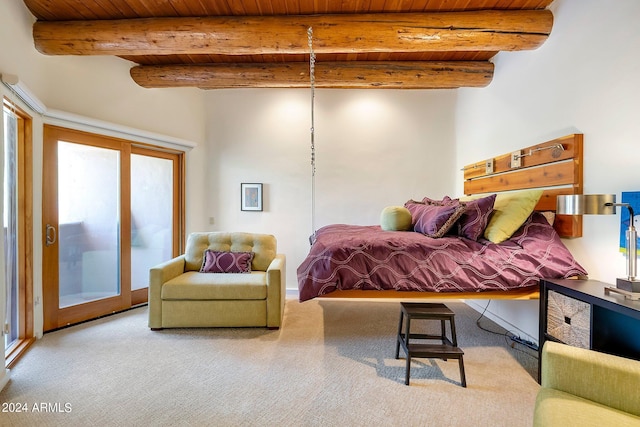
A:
[(366, 257)]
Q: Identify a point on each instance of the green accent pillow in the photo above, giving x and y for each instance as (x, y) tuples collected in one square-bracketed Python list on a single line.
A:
[(395, 218), (510, 211)]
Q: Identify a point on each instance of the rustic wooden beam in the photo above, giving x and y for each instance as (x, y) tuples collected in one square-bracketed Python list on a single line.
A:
[(255, 35), (396, 75)]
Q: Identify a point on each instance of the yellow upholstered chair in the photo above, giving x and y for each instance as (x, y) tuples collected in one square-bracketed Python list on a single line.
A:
[(181, 295), (587, 388)]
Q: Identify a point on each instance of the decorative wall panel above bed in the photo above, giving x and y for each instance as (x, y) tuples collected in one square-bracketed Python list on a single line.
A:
[(555, 166)]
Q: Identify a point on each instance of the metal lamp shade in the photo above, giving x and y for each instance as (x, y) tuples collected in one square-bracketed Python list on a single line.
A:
[(605, 204), (586, 204)]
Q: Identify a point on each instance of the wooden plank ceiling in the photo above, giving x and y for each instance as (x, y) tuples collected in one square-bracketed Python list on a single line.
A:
[(213, 44)]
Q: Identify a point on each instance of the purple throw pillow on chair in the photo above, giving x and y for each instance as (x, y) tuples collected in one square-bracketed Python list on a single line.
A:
[(226, 262)]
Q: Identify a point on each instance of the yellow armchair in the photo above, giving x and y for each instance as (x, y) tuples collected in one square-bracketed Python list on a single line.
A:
[(586, 388), (181, 296)]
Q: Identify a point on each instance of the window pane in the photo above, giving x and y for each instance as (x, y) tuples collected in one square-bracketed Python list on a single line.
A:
[(89, 226), (151, 215)]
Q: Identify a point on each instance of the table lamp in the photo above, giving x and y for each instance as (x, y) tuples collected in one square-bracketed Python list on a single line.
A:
[(605, 204)]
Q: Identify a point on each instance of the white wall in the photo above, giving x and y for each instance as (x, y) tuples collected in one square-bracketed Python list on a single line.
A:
[(373, 149), (583, 79), (100, 88)]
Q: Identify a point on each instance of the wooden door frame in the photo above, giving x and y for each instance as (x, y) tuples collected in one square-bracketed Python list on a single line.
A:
[(25, 235)]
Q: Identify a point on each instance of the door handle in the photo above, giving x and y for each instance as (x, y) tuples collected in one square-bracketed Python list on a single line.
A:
[(51, 235)]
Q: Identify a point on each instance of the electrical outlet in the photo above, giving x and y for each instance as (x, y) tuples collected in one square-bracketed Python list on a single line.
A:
[(211, 221), (516, 159)]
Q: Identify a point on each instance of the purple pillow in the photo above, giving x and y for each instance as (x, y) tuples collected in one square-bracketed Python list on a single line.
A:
[(476, 217), (226, 262), (434, 220), (446, 200)]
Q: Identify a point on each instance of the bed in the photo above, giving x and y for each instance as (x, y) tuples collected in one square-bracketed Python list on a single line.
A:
[(518, 189)]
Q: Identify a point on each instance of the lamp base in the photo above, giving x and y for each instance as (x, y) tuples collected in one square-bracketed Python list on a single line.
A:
[(628, 285), (635, 296)]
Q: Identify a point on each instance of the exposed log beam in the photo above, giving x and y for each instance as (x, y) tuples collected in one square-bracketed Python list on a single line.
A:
[(347, 33), (396, 75)]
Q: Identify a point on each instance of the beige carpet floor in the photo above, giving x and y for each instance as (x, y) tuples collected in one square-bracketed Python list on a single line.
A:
[(331, 364)]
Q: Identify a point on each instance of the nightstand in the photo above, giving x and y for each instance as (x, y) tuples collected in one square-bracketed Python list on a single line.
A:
[(580, 314)]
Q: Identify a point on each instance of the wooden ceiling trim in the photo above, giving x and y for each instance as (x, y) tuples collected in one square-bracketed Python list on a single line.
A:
[(345, 75), (463, 31)]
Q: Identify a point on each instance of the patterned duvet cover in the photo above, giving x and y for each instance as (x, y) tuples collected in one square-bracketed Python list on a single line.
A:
[(368, 258)]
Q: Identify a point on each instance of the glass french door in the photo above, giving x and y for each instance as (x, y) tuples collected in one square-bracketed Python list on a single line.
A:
[(154, 220), (109, 214)]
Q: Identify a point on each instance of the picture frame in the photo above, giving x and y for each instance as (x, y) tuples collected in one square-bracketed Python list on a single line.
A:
[(633, 198), (251, 196)]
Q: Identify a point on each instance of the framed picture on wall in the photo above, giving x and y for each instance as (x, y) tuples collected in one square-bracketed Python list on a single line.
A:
[(633, 198), (250, 196)]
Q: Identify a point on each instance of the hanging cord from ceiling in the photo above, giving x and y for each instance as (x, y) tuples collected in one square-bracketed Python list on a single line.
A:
[(312, 81)]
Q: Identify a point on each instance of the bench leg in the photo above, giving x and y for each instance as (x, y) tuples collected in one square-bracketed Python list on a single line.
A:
[(407, 373), (399, 336), (463, 379), (406, 340), (454, 339)]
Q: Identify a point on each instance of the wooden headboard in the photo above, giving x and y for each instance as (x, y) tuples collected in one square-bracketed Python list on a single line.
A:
[(554, 166)]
